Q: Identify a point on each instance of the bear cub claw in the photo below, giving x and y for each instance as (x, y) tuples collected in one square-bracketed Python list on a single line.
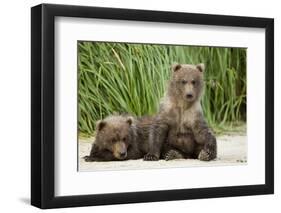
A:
[(150, 157), (173, 154), (205, 155), (89, 158)]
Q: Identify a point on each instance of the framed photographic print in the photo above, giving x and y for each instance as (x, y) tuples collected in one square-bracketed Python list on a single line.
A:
[(139, 106)]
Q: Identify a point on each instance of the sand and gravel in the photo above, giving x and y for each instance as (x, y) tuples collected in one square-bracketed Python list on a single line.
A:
[(232, 150)]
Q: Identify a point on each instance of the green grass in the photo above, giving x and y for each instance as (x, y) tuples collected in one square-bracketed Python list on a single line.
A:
[(120, 77)]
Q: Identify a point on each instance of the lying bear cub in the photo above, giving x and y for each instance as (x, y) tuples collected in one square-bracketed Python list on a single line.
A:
[(120, 137)]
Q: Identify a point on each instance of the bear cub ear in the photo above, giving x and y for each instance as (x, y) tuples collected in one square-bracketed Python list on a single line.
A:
[(200, 67), (100, 125), (176, 67), (130, 120)]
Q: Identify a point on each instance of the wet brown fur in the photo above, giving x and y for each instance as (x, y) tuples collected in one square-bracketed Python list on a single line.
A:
[(180, 130)]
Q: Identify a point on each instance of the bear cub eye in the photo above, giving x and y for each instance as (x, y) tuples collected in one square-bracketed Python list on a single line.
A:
[(184, 81), (193, 82)]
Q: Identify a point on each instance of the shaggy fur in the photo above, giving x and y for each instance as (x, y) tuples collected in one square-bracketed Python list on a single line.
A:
[(180, 130), (120, 137)]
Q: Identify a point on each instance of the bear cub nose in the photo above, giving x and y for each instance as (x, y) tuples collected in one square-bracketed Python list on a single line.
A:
[(189, 95), (123, 154)]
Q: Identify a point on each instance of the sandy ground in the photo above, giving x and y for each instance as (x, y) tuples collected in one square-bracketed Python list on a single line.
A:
[(232, 150)]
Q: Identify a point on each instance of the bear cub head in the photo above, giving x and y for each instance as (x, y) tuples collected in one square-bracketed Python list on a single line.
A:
[(187, 82), (113, 135)]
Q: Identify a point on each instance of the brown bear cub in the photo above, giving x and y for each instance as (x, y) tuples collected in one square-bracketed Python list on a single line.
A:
[(179, 129), (120, 137)]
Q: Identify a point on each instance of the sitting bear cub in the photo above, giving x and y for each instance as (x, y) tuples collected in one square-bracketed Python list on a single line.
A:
[(120, 137), (179, 129)]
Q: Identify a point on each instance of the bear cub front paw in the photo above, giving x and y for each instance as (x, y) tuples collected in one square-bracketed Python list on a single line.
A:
[(205, 155), (150, 157), (173, 154), (89, 158)]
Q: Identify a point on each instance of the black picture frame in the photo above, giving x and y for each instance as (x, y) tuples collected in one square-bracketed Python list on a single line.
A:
[(43, 102)]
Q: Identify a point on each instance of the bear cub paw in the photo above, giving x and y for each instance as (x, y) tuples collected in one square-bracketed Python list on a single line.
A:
[(173, 154), (205, 155), (88, 158), (150, 157)]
